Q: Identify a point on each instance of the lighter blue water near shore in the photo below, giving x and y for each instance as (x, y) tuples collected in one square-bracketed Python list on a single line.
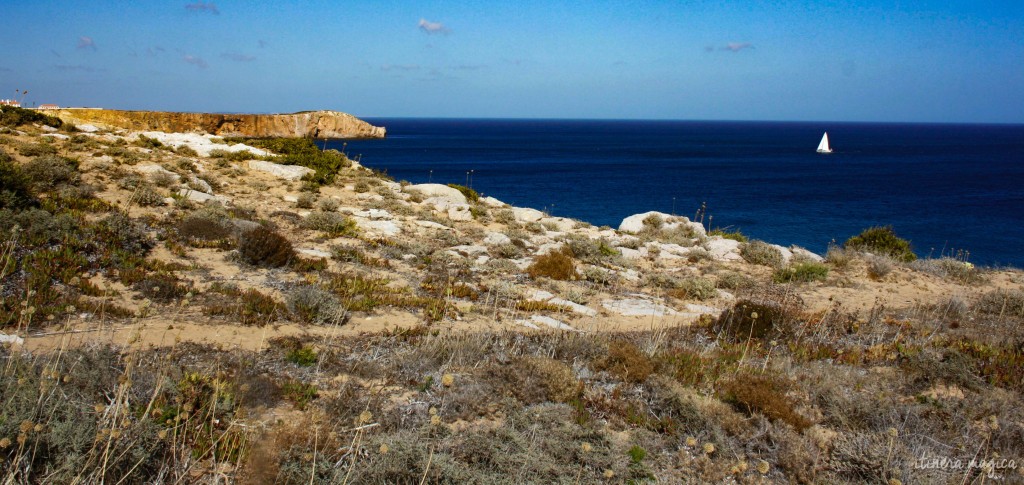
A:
[(944, 187)]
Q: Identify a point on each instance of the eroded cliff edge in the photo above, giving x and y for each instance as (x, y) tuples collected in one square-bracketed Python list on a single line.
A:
[(312, 124)]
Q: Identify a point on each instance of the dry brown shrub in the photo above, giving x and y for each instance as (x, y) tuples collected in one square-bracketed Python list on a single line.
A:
[(264, 247), (557, 265), (625, 361), (533, 380), (765, 394)]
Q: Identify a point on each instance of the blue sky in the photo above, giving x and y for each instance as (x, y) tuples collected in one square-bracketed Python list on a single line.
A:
[(875, 60)]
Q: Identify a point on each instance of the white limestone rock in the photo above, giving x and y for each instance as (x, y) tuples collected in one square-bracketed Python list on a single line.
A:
[(636, 307), (492, 202), (439, 191), (574, 307), (800, 252), (286, 172), (87, 128), (459, 212), (203, 197), (635, 222), (468, 250), (290, 198), (526, 214), (382, 228), (153, 169), (551, 322), (560, 224), (200, 184), (433, 225), (313, 252), (722, 249), (11, 339), (496, 239)]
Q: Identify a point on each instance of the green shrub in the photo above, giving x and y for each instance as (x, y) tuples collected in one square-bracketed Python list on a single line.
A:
[(249, 307), (801, 273), (13, 117), (161, 287), (126, 234), (15, 185), (471, 195), (882, 241), (332, 223), (760, 252), (557, 265), (50, 172), (698, 288), (300, 394), (147, 142), (304, 356), (204, 226), (734, 235), (636, 454), (752, 319), (264, 247)]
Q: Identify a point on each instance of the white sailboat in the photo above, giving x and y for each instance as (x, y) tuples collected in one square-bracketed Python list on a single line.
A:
[(823, 146)]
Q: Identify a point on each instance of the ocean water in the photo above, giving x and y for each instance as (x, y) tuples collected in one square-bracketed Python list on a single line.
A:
[(947, 188)]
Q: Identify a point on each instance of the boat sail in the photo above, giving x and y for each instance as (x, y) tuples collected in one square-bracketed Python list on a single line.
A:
[(823, 146)]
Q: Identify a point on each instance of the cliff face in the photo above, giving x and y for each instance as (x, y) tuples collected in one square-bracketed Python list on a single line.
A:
[(314, 124)]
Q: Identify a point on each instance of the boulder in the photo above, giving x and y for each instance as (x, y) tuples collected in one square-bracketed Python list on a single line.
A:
[(432, 225), (496, 239), (722, 249), (525, 214), (200, 184), (459, 212), (574, 307), (286, 172), (313, 252), (635, 222), (87, 128), (560, 224), (800, 252), (492, 202), (550, 322), (438, 191)]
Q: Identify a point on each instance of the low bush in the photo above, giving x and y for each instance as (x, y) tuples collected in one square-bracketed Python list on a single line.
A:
[(304, 356), (204, 225), (626, 361), (15, 185), (882, 241), (696, 288), (332, 223), (50, 172), (762, 253), (248, 307), (162, 287), (1002, 302), (879, 267), (734, 235), (766, 394), (557, 265), (264, 247), (801, 273), (753, 319), (949, 268), (313, 304), (838, 257)]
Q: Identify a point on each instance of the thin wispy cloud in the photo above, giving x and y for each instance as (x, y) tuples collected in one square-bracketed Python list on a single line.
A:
[(467, 67), (195, 61), (262, 43), (234, 56), (86, 42), (399, 67), (433, 27), (738, 46), (6, 69), (155, 51), (203, 7), (74, 68), (55, 53)]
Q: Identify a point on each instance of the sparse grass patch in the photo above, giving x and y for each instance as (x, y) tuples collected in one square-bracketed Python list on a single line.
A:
[(626, 361), (801, 273), (766, 394), (734, 235), (331, 223)]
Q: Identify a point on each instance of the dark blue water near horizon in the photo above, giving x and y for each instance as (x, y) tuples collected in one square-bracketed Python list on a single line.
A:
[(945, 187)]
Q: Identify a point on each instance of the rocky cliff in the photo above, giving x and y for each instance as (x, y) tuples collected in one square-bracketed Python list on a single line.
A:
[(314, 124)]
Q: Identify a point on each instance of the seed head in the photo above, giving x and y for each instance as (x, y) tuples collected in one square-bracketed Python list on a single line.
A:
[(691, 441), (435, 420), (763, 467), (5, 442), (365, 417), (383, 449), (585, 447), (26, 426), (447, 380), (609, 474), (709, 448)]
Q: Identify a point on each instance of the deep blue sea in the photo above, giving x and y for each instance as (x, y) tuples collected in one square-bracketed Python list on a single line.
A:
[(945, 187)]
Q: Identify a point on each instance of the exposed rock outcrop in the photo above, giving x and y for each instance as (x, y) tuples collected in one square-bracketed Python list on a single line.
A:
[(309, 124)]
